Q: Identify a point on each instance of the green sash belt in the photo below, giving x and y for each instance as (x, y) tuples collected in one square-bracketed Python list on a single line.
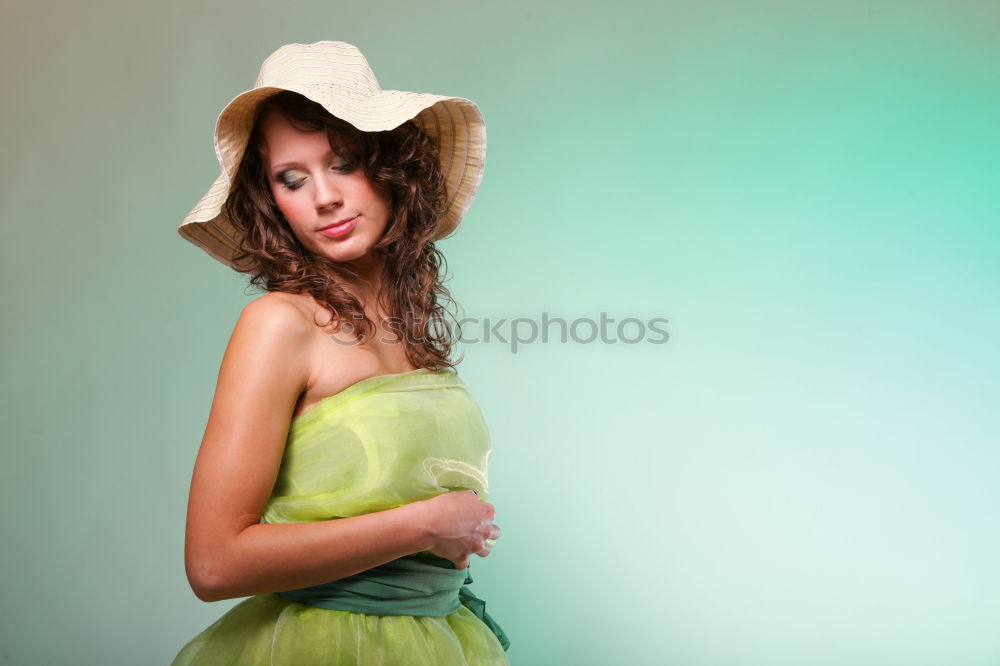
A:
[(423, 585)]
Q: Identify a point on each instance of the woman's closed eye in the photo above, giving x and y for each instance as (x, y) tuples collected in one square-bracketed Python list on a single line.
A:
[(289, 181)]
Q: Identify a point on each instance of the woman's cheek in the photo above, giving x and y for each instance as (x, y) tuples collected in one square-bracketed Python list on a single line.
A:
[(287, 206)]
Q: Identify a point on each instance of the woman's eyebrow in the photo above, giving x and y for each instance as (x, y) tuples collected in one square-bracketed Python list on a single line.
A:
[(331, 153)]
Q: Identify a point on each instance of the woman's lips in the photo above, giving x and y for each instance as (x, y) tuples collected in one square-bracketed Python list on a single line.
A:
[(340, 229)]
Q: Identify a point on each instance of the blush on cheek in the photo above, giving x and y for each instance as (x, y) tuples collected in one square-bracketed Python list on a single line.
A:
[(287, 208)]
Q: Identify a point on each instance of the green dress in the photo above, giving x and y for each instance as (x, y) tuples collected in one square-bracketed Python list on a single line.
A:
[(380, 443)]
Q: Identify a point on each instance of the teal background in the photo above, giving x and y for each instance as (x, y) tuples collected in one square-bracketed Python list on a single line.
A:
[(805, 474)]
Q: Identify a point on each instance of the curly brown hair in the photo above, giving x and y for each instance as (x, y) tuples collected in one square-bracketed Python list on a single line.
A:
[(403, 163)]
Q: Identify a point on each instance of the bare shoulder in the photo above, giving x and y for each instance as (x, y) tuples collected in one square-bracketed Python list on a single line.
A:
[(279, 309), (310, 315), (287, 332), (268, 352)]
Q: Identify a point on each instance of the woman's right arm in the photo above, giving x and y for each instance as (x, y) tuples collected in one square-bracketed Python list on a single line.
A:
[(228, 553)]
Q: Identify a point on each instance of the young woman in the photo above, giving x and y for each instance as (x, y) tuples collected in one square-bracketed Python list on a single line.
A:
[(342, 476)]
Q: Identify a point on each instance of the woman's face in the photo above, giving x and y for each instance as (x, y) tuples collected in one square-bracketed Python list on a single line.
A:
[(330, 205)]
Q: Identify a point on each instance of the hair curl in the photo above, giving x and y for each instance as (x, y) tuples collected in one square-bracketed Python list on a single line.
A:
[(403, 163)]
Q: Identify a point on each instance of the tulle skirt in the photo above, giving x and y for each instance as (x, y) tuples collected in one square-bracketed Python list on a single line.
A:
[(268, 629)]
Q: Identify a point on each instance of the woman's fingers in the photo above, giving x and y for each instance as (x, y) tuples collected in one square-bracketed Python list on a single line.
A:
[(490, 541), (463, 526)]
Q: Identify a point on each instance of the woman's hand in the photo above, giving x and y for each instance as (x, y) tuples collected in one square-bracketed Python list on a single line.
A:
[(460, 523)]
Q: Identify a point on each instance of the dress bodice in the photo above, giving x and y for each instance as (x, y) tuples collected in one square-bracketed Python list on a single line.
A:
[(380, 443)]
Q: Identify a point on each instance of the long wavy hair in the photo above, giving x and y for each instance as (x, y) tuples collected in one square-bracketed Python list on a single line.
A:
[(403, 163)]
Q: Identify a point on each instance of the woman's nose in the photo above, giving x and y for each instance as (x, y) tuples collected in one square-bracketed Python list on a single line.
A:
[(326, 193)]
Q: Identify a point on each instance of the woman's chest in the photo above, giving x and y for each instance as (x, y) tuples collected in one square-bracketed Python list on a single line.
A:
[(396, 446)]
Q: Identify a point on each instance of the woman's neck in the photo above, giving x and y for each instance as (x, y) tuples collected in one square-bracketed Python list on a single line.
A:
[(365, 286)]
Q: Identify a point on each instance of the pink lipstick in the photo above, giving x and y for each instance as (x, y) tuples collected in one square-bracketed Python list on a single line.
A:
[(338, 229)]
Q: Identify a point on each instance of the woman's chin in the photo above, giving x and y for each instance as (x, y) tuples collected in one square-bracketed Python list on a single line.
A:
[(359, 257)]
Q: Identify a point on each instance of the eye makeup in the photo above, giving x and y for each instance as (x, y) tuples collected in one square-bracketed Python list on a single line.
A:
[(285, 175), (285, 178)]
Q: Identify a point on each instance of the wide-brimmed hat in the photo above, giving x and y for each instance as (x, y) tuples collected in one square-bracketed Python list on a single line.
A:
[(337, 76)]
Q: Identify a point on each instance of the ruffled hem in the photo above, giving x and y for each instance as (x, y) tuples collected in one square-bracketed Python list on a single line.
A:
[(269, 630)]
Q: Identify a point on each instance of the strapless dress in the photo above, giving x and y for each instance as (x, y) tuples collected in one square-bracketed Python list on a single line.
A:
[(383, 442)]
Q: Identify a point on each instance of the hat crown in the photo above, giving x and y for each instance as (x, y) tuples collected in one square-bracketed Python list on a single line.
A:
[(321, 63)]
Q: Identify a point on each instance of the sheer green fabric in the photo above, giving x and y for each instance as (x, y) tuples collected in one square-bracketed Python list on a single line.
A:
[(381, 443)]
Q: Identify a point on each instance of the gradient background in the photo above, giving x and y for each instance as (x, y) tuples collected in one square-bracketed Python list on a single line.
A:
[(804, 475)]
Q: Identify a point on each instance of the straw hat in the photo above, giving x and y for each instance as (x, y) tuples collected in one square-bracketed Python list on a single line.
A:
[(337, 76)]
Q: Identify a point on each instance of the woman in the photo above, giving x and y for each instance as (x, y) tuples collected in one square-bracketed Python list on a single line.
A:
[(342, 476)]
